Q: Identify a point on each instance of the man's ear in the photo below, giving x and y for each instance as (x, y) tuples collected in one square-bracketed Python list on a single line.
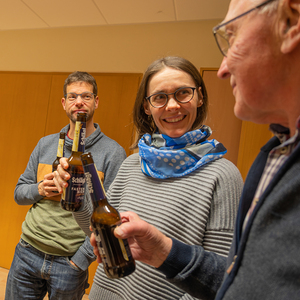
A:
[(290, 28), (146, 107), (63, 102), (96, 102)]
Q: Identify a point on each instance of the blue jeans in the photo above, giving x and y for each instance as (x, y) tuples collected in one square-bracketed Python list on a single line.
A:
[(33, 273)]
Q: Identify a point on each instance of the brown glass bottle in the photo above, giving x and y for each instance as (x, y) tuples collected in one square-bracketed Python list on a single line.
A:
[(72, 198), (60, 150), (115, 253)]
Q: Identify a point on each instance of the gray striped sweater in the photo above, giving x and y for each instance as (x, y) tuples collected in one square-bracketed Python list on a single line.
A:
[(199, 208)]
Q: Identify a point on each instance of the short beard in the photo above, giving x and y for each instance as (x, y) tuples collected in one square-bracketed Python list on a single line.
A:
[(73, 119)]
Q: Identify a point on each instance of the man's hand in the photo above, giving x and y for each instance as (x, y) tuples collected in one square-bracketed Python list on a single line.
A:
[(61, 176), (147, 243), (72, 263), (47, 187)]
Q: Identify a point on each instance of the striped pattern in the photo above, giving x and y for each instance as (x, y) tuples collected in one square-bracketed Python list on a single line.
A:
[(199, 208)]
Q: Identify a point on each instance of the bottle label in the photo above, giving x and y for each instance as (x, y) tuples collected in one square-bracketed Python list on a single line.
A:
[(121, 247), (60, 149), (124, 247), (97, 193), (74, 193), (79, 137), (105, 259)]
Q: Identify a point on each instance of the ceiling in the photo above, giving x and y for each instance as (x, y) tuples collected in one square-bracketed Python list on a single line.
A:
[(38, 14)]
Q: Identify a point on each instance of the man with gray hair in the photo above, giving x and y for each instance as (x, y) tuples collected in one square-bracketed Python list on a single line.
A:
[(260, 42)]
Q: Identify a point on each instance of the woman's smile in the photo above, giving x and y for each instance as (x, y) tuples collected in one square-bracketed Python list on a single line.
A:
[(174, 119)]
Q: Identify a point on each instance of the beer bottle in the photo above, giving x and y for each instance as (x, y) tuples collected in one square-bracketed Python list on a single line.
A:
[(115, 253), (60, 151), (72, 198)]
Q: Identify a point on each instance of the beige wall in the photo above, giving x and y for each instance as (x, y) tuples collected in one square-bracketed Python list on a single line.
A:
[(120, 48)]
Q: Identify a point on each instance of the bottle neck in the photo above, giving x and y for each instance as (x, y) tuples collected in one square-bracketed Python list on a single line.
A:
[(79, 137), (60, 148), (94, 184)]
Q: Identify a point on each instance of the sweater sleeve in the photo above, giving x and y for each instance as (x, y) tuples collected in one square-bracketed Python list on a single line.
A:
[(224, 205), (26, 191), (84, 256), (114, 161), (196, 271), (83, 217)]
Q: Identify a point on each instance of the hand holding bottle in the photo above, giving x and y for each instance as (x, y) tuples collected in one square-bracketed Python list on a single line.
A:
[(61, 175), (146, 242), (47, 187)]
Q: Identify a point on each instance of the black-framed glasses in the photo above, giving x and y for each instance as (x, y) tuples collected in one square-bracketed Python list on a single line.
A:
[(85, 96), (182, 95), (222, 37)]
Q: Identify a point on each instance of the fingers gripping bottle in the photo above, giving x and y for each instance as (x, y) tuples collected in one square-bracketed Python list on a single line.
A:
[(115, 253), (60, 150), (72, 198)]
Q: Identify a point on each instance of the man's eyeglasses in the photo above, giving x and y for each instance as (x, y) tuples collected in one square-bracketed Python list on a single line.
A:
[(86, 96), (182, 95), (221, 36)]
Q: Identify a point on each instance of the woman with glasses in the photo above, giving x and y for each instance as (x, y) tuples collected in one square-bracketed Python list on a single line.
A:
[(179, 180)]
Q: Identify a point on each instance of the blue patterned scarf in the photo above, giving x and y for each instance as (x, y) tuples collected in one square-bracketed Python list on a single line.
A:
[(164, 157)]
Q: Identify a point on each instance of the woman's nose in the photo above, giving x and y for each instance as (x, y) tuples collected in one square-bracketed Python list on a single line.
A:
[(172, 102)]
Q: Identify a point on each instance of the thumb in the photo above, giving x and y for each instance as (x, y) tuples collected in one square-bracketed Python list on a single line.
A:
[(118, 232), (132, 228), (121, 231)]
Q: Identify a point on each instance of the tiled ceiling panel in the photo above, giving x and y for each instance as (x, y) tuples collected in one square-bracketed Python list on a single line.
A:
[(66, 13), (188, 10), (14, 14), (137, 11), (30, 14)]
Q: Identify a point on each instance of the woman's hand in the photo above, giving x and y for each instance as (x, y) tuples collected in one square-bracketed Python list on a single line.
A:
[(94, 244)]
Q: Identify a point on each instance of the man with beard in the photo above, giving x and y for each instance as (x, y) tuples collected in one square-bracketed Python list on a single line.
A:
[(54, 254)]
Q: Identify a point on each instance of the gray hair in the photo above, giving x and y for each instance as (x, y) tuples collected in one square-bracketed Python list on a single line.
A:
[(268, 8)]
